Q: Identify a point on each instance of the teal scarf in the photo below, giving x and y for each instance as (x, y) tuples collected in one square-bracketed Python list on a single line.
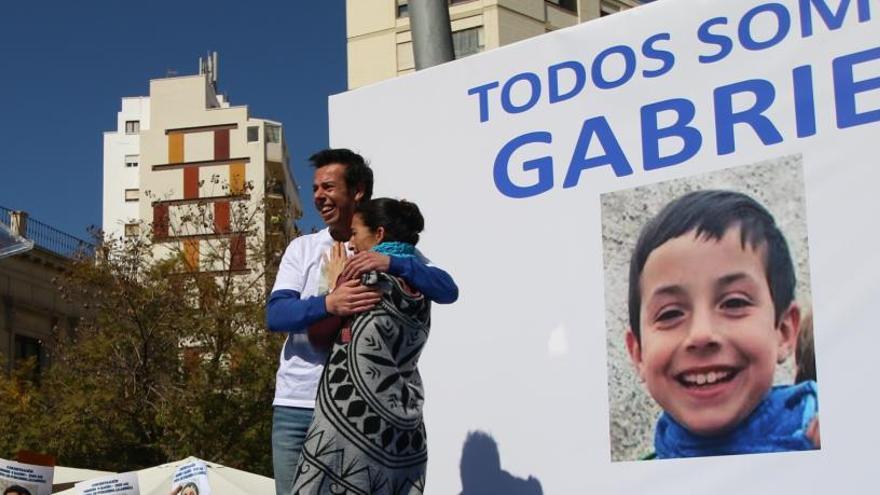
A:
[(395, 248), (778, 424)]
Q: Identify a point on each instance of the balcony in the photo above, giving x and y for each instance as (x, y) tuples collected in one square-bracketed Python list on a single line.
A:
[(45, 236)]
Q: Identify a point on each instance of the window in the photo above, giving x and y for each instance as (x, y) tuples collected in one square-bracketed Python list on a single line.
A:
[(253, 133), (132, 126), (273, 133), (132, 230), (132, 194), (466, 42), (606, 9), (27, 347), (566, 4), (132, 160), (402, 8)]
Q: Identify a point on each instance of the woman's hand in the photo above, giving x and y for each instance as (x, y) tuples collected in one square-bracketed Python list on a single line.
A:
[(335, 263)]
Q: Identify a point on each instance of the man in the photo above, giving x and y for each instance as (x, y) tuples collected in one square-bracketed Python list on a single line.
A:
[(300, 298)]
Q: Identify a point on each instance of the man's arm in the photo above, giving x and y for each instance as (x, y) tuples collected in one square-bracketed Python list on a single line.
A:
[(286, 312), (433, 282)]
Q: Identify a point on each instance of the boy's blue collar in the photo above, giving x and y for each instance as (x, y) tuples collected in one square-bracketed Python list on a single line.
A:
[(778, 424), (395, 248)]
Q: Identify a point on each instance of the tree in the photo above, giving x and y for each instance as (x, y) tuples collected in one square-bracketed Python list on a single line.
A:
[(171, 359)]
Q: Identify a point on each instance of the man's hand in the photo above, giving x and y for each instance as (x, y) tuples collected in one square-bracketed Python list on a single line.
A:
[(351, 297), (367, 261)]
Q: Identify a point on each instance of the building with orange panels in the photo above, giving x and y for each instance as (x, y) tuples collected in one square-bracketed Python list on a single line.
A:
[(203, 175)]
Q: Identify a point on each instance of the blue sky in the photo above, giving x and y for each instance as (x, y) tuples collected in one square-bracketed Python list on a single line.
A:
[(65, 65)]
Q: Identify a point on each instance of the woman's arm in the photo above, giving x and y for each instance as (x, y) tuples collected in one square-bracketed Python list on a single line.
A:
[(433, 282)]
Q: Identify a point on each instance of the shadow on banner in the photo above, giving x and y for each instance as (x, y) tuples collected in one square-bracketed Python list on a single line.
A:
[(481, 472)]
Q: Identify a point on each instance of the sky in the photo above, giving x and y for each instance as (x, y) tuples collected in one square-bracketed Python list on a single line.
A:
[(65, 65)]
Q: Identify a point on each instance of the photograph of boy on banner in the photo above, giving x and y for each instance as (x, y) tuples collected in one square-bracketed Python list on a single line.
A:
[(712, 314)]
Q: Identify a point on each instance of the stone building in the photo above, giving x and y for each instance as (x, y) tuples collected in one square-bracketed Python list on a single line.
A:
[(30, 302)]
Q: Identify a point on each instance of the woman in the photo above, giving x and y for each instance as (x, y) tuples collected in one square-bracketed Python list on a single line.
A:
[(367, 436)]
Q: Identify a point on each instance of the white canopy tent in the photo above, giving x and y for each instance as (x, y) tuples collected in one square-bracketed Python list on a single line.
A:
[(223, 480)]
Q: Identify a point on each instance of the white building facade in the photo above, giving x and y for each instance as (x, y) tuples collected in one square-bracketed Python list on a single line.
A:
[(122, 167)]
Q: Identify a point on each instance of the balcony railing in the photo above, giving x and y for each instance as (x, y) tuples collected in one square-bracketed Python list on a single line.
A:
[(49, 238)]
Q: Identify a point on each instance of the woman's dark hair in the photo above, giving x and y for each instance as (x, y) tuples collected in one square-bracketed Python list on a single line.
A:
[(401, 219)]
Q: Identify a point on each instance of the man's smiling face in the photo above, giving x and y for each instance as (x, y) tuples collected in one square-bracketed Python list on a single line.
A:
[(709, 344), (333, 200)]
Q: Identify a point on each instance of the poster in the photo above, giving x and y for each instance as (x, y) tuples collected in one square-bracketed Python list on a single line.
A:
[(25, 479), (192, 478), (116, 484), (538, 166)]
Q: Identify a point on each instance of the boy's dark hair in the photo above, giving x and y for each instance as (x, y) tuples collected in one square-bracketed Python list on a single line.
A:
[(357, 170), (710, 214), (401, 219), (17, 490)]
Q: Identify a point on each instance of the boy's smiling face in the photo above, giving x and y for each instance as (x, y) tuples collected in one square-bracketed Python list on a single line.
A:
[(709, 344)]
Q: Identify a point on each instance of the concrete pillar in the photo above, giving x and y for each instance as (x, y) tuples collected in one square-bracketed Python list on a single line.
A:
[(431, 32), (18, 223)]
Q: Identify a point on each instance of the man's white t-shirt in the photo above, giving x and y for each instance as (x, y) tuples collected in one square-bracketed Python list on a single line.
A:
[(300, 365)]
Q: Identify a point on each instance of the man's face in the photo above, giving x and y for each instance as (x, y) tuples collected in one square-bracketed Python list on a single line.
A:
[(709, 344), (334, 202)]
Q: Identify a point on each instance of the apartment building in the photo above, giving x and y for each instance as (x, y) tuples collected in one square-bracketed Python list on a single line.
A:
[(380, 42), (201, 173)]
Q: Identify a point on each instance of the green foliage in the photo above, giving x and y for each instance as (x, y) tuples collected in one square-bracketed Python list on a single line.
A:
[(166, 362), (21, 403)]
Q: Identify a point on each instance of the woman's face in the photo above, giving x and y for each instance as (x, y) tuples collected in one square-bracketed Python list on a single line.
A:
[(362, 238)]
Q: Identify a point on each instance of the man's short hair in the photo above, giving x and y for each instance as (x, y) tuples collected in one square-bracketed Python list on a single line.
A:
[(17, 490), (710, 214), (357, 170)]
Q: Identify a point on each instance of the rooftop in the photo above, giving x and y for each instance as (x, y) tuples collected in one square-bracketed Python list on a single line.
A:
[(44, 236)]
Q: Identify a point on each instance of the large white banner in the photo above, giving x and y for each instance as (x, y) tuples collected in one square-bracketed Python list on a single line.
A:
[(574, 351)]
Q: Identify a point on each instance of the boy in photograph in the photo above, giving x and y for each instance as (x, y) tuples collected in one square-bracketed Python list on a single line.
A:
[(712, 313)]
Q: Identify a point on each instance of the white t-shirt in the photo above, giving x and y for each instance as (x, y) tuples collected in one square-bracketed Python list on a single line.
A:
[(300, 365)]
